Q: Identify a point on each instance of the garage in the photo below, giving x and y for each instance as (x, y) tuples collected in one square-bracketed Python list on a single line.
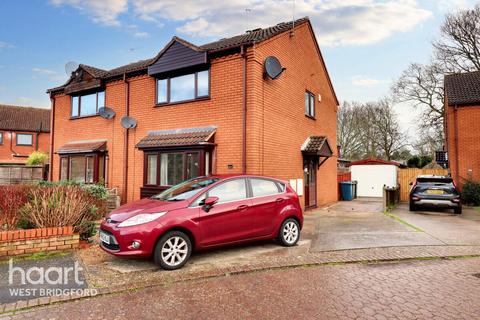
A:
[(372, 174)]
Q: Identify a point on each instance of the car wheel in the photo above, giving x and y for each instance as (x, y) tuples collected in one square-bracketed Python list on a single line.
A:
[(458, 210), (289, 233), (173, 250), (412, 206)]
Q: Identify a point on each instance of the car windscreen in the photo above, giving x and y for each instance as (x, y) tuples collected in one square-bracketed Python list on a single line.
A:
[(185, 190)]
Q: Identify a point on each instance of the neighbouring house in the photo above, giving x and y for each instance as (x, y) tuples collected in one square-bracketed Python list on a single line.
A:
[(22, 131), (462, 125), (373, 174), (200, 109)]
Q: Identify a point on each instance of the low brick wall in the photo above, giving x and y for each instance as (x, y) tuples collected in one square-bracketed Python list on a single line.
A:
[(22, 242)]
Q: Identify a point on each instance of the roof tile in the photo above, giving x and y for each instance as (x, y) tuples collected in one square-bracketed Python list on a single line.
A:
[(17, 118), (463, 88), (178, 137)]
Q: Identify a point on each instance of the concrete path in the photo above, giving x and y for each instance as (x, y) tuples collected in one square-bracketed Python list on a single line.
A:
[(447, 227), (362, 224), (408, 290)]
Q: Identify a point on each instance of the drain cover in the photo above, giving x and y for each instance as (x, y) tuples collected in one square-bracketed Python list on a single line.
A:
[(476, 275)]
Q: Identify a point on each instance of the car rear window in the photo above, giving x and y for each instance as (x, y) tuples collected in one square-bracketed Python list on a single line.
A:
[(434, 180)]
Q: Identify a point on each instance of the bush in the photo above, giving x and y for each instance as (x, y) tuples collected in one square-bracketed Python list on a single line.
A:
[(12, 198), (98, 191), (59, 206), (37, 158), (471, 193), (419, 161), (87, 230)]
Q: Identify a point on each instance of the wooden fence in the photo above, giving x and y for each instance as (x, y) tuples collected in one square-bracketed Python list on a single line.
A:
[(17, 174), (405, 176)]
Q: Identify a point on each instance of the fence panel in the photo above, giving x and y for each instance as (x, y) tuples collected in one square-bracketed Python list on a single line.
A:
[(18, 174), (405, 176)]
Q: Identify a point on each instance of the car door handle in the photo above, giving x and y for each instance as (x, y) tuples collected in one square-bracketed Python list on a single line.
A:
[(280, 200), (242, 207)]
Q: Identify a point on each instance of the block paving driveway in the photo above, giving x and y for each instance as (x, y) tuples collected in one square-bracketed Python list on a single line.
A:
[(436, 289)]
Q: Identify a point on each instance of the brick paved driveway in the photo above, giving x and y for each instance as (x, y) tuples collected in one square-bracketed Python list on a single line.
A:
[(440, 289)]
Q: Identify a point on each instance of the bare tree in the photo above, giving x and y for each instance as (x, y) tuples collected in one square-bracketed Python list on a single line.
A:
[(390, 139), (348, 132), (422, 86), (458, 48)]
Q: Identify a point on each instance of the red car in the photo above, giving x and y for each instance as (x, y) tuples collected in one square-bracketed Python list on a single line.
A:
[(201, 213)]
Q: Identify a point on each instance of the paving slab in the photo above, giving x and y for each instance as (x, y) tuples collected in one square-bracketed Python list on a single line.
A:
[(361, 224), (444, 225)]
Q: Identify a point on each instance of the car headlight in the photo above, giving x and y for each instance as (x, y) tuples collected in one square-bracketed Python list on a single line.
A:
[(141, 219)]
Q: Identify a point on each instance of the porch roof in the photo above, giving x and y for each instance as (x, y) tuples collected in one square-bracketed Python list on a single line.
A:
[(85, 146), (317, 146), (178, 137)]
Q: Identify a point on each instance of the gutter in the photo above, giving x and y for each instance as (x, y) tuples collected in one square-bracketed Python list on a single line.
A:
[(244, 110), (52, 136), (125, 147)]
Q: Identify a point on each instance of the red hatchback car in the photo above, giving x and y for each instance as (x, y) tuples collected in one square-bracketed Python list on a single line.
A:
[(201, 213)]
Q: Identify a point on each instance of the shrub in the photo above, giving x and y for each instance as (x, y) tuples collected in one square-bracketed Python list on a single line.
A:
[(59, 206), (471, 193), (87, 229), (98, 191), (12, 198), (37, 158)]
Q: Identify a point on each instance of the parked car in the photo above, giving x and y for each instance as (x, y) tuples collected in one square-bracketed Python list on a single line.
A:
[(435, 191), (201, 213)]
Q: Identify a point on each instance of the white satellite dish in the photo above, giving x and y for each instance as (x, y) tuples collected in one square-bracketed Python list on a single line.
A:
[(71, 67)]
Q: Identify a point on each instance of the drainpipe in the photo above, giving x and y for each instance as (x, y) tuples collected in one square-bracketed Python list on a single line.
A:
[(37, 136), (244, 111), (52, 136), (125, 147), (455, 138)]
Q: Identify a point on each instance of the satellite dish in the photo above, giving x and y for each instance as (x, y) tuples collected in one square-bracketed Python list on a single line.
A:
[(128, 122), (106, 113), (71, 67), (273, 68)]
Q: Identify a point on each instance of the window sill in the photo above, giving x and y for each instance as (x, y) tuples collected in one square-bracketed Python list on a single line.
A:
[(83, 117), (24, 145), (310, 117), (181, 102)]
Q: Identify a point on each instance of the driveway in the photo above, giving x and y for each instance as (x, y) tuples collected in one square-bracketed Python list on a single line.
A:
[(362, 224), (447, 227)]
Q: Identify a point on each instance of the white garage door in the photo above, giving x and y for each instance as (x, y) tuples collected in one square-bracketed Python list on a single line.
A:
[(372, 178)]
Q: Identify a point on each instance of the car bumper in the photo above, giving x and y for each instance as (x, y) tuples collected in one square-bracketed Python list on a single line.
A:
[(436, 203), (121, 240)]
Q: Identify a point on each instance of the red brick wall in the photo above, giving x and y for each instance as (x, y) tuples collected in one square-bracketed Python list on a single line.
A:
[(274, 137), (278, 111), (466, 164), (6, 154), (22, 242)]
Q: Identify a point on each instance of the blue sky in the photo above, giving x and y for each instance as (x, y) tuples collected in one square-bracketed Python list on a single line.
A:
[(366, 43)]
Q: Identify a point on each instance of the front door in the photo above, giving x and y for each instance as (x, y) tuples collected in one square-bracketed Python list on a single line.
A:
[(310, 182)]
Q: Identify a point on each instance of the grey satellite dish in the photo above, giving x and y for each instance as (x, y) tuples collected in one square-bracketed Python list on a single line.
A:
[(273, 68), (128, 122), (106, 113), (71, 67)]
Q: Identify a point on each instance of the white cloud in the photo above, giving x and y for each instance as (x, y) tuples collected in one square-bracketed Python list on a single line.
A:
[(141, 34), (101, 11), (348, 22), (363, 81), (5, 45), (50, 74)]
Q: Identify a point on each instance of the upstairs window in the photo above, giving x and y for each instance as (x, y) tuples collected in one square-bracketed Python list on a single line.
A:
[(1, 137), (183, 88), (24, 139), (88, 104), (309, 104)]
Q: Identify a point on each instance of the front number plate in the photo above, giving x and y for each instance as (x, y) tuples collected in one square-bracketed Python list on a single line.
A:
[(105, 238)]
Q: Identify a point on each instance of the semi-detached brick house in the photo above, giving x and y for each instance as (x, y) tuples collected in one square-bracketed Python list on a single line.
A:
[(22, 131), (200, 110), (462, 125)]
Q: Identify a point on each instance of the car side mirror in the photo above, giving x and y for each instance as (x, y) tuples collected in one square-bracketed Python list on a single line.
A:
[(209, 202)]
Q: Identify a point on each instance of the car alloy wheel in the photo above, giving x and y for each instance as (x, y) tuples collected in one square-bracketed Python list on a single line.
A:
[(289, 232), (173, 250)]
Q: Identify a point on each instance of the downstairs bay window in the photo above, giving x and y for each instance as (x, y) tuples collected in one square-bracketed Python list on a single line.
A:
[(86, 168)]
